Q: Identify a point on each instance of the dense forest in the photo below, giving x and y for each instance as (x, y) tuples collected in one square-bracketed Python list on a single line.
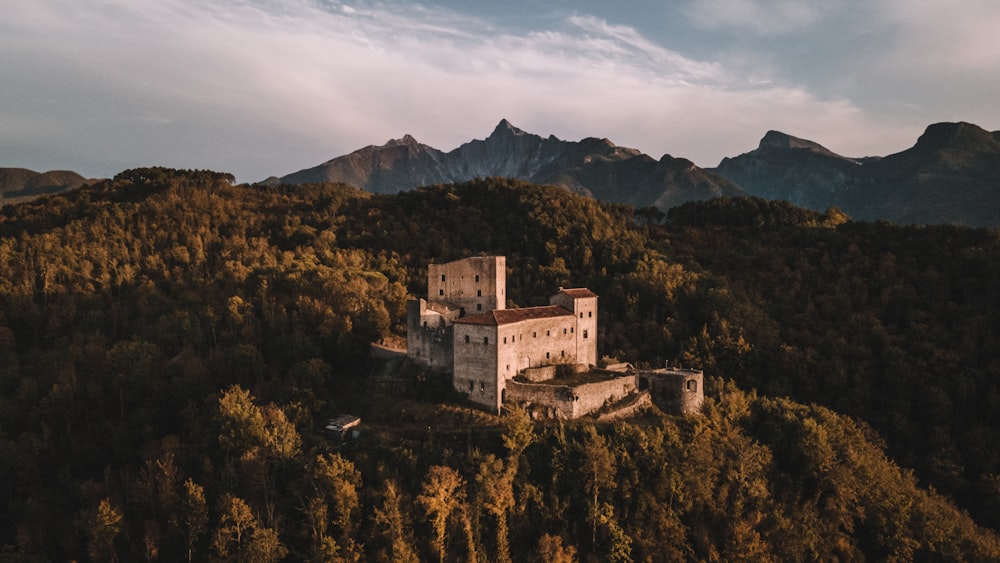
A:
[(172, 345)]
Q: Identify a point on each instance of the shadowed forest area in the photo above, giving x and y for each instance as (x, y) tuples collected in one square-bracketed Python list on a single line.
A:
[(171, 345)]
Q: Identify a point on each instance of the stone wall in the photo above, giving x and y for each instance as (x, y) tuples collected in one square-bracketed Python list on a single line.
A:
[(431, 345), (563, 401), (536, 342), (475, 369), (535, 375), (676, 391), (476, 284)]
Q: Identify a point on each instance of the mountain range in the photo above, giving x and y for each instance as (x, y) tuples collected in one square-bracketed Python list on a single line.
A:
[(951, 174), (18, 184), (594, 167)]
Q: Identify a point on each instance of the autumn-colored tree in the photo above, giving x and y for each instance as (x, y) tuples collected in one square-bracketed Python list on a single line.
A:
[(395, 535), (103, 528), (441, 494)]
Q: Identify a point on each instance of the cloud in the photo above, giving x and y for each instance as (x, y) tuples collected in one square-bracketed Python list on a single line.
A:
[(939, 34), (760, 16), (261, 87)]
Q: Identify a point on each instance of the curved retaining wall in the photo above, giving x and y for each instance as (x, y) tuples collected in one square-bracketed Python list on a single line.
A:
[(563, 401)]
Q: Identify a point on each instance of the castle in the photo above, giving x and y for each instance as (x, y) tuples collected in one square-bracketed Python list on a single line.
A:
[(465, 329)]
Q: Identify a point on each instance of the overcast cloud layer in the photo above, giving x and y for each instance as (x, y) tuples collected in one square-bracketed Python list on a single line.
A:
[(267, 87)]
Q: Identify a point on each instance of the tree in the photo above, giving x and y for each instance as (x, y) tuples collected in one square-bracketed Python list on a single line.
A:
[(497, 485), (335, 483), (191, 519), (236, 522), (597, 470), (441, 494), (242, 425), (393, 530), (105, 524), (551, 550)]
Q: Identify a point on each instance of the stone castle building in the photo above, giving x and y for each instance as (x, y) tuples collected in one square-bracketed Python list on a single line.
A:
[(465, 329)]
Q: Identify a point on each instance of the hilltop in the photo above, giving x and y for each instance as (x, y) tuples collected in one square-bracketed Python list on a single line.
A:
[(173, 345)]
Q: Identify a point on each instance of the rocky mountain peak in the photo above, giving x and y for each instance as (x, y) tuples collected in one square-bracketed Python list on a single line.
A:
[(506, 129), (959, 135), (778, 140), (406, 140)]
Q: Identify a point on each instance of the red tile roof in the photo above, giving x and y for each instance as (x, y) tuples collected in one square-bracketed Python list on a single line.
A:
[(509, 316)]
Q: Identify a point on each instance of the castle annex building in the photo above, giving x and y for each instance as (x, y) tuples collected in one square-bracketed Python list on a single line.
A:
[(464, 328)]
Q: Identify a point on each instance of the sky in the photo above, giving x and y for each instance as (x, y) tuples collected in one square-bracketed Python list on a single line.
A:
[(268, 87)]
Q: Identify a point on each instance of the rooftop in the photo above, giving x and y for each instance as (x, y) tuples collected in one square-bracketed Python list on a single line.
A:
[(510, 316), (578, 292)]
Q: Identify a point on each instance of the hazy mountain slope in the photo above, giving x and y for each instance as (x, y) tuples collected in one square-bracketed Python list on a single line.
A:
[(791, 169), (17, 183), (951, 175), (592, 166)]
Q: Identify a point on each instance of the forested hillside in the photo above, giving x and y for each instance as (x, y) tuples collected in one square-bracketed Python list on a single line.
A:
[(172, 344)]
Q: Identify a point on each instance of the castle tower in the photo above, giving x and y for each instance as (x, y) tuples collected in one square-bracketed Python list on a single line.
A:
[(475, 285), (583, 303)]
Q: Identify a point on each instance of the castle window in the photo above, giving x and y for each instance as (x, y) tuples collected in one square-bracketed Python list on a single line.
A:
[(479, 306), (466, 338), (564, 331), (534, 334), (479, 292), (562, 353), (585, 333), (442, 277), (546, 355), (440, 292), (471, 386), (508, 367), (486, 340), (581, 314), (571, 330), (590, 314), (477, 277), (548, 333), (425, 324), (482, 387), (692, 385), (504, 339)]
